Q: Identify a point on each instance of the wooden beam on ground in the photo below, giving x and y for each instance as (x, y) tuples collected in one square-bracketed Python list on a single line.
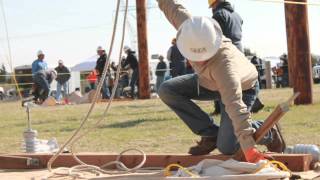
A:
[(144, 85), (299, 56), (295, 162)]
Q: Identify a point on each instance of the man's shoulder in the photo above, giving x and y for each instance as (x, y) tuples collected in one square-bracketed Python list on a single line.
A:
[(220, 12)]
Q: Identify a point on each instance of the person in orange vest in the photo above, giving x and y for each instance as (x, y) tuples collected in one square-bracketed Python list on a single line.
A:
[(92, 79)]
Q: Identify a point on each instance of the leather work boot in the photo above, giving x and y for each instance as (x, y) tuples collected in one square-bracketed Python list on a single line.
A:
[(204, 146), (278, 144)]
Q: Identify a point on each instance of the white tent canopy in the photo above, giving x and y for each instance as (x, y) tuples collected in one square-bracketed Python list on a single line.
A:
[(86, 65)]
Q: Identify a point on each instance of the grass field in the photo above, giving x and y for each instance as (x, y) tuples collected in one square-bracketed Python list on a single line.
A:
[(148, 125)]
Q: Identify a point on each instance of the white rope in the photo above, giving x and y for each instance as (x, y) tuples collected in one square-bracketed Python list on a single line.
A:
[(77, 171), (71, 139)]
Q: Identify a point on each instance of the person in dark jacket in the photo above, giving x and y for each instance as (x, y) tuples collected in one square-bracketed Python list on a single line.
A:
[(258, 105), (177, 61), (229, 21), (42, 80), (132, 61), (102, 60), (160, 71), (62, 80), (231, 26)]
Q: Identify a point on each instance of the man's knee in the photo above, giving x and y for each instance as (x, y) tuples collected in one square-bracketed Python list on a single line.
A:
[(164, 91)]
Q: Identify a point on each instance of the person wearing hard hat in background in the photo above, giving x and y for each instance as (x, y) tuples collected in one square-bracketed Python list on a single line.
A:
[(102, 60), (62, 79), (42, 81), (221, 72), (132, 61), (39, 64), (229, 21), (160, 71)]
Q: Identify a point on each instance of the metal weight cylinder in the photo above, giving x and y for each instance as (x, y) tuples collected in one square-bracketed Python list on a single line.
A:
[(305, 149)]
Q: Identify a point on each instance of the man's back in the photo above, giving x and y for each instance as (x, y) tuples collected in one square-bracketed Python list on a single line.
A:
[(132, 60)]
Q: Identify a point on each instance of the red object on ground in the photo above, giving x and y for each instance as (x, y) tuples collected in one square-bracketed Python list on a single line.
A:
[(253, 155)]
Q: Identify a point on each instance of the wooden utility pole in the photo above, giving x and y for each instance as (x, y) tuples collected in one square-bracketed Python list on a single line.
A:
[(299, 56), (144, 85)]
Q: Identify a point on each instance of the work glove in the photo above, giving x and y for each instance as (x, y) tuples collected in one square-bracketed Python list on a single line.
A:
[(252, 155)]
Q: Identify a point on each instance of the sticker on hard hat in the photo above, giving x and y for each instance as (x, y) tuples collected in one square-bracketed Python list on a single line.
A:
[(198, 50)]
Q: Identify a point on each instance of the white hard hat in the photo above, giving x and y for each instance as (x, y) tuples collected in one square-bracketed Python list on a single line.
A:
[(199, 38), (40, 52), (60, 61), (100, 48), (126, 48)]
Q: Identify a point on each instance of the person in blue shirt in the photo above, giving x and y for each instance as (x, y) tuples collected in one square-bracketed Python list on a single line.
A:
[(39, 64)]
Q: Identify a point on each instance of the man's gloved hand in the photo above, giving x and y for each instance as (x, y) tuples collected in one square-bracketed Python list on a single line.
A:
[(252, 155)]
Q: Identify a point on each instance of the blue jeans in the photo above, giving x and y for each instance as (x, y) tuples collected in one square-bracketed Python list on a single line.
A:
[(105, 88), (42, 87), (160, 80), (134, 80), (178, 94), (65, 90)]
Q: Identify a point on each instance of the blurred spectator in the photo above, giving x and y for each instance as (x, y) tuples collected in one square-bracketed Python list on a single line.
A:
[(160, 72), (132, 61), (92, 79), (2, 93), (42, 81), (62, 80), (39, 64), (177, 61), (123, 79), (102, 60), (285, 70)]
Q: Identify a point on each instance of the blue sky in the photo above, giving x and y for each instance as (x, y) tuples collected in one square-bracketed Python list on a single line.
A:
[(72, 29)]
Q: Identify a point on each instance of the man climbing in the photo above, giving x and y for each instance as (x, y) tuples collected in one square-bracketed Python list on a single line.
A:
[(39, 64), (221, 72)]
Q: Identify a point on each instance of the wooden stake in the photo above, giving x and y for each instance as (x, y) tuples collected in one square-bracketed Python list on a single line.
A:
[(144, 85), (299, 57)]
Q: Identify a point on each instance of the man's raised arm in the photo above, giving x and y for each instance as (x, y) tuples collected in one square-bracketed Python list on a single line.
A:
[(174, 11)]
